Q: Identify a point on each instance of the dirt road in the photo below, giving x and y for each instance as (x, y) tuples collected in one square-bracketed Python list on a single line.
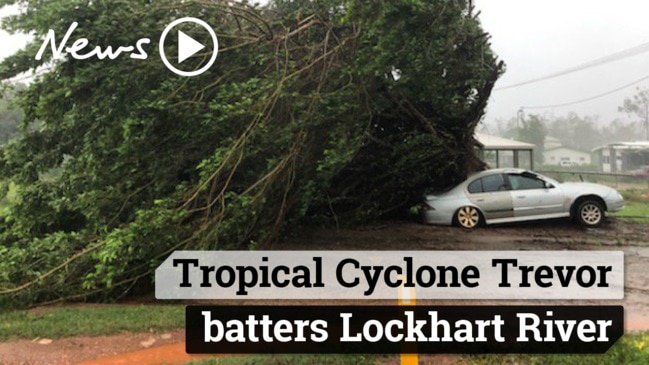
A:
[(630, 237)]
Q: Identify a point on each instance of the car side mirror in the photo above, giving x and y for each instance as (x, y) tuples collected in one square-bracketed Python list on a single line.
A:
[(549, 185)]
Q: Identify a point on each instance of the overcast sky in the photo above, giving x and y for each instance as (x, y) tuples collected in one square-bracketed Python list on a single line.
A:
[(9, 44), (540, 37)]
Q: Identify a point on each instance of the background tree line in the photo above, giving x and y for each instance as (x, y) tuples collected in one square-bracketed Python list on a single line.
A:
[(579, 132), (574, 131)]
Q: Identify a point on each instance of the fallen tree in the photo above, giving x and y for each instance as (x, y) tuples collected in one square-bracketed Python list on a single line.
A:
[(338, 111)]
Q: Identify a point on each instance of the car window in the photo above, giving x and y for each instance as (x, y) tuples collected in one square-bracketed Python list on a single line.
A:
[(520, 182), (475, 187), (493, 183)]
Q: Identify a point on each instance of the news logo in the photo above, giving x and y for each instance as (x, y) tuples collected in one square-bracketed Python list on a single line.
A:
[(174, 54), (188, 47)]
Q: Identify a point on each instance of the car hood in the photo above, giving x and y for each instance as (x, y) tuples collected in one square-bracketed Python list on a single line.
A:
[(583, 188)]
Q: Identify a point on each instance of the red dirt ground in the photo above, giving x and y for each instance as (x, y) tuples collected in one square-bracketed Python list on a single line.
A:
[(77, 349)]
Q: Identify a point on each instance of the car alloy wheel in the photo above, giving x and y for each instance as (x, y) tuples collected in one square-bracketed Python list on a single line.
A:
[(590, 213), (468, 217)]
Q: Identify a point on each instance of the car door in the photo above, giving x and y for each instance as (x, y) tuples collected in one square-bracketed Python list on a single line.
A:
[(491, 194), (532, 196)]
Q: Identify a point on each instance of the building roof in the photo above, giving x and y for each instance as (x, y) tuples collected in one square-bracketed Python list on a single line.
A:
[(640, 145), (489, 142), (565, 148)]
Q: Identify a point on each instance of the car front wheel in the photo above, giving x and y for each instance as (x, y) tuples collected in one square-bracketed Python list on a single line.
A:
[(590, 213), (468, 217)]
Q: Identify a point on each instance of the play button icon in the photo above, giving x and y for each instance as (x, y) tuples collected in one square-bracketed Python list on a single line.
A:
[(188, 47)]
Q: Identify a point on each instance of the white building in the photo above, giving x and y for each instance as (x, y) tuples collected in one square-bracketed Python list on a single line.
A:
[(622, 156), (551, 142), (565, 156)]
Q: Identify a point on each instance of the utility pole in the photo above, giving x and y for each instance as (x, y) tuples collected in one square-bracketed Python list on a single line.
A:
[(520, 115), (646, 120)]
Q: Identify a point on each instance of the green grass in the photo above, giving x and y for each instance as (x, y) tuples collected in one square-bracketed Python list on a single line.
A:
[(635, 211), (636, 207), (632, 349), (89, 321)]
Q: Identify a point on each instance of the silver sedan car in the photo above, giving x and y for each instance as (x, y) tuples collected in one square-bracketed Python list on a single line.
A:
[(514, 195)]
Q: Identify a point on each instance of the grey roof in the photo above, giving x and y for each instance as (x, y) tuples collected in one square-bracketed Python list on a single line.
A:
[(565, 148), (640, 145), (498, 143)]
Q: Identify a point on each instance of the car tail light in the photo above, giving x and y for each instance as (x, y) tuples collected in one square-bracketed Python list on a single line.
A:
[(425, 207)]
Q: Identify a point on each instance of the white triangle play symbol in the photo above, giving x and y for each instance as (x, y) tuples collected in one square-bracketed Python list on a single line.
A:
[(187, 46)]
